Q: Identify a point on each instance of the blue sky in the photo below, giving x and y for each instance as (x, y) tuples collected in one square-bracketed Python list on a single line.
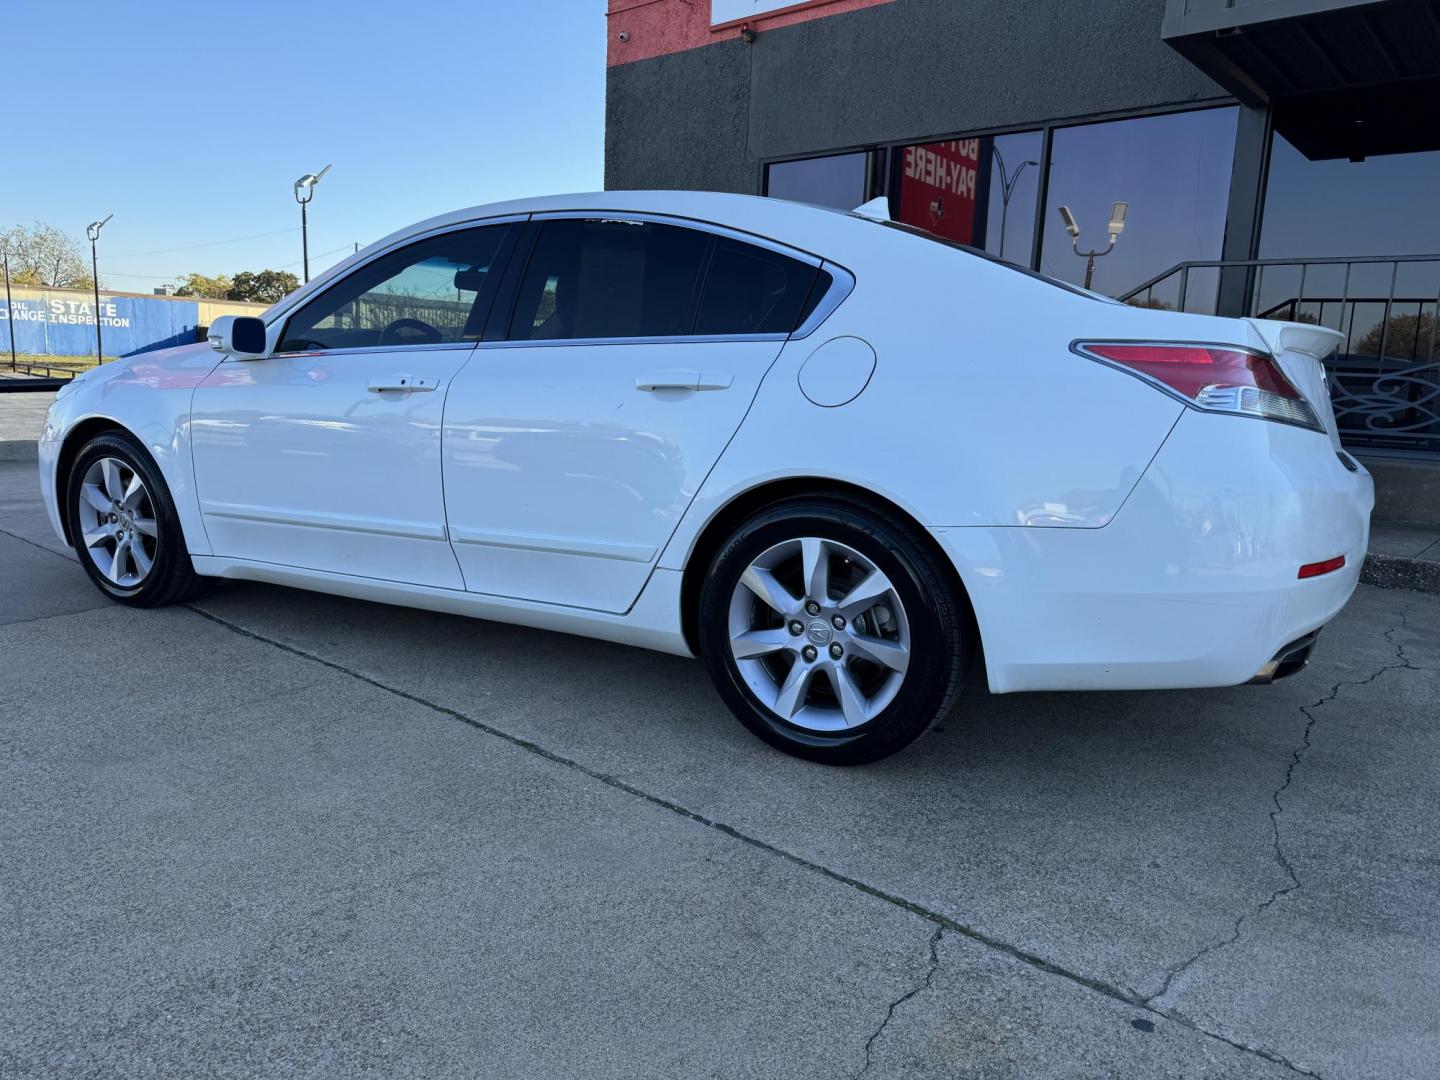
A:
[(191, 121)]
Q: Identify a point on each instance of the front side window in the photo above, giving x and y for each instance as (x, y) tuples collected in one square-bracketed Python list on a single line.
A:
[(436, 291)]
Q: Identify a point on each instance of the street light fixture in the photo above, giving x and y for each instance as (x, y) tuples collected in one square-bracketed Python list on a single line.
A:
[(92, 231), (1007, 188), (1115, 228), (304, 192)]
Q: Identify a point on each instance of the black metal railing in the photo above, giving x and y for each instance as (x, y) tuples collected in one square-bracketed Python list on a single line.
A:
[(1385, 375), (38, 377)]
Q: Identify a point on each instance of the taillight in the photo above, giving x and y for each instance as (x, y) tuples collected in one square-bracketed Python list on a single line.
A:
[(1216, 378)]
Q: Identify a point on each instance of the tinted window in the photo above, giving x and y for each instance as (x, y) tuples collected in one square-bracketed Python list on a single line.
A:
[(1173, 170), (437, 290), (979, 192), (610, 279), (752, 290), (841, 180)]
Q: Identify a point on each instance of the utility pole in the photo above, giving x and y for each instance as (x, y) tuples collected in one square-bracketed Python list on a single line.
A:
[(10, 310), (93, 232)]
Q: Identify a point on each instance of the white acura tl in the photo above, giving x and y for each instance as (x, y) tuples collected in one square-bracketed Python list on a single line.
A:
[(836, 458)]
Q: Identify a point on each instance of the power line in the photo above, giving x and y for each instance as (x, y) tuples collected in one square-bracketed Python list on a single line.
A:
[(196, 247)]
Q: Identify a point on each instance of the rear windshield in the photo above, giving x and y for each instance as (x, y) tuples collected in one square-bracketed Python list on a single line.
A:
[(979, 253)]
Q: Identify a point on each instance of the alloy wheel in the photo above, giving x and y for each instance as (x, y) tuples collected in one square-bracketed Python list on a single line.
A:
[(117, 519), (819, 634)]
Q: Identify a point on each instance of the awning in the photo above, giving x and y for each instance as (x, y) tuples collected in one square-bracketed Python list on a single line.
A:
[(1347, 78)]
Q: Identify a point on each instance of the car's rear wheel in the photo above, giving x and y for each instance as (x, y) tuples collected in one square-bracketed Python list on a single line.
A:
[(832, 631), (124, 527)]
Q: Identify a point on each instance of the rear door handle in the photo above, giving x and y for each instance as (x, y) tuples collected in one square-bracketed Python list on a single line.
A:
[(685, 380), (408, 383)]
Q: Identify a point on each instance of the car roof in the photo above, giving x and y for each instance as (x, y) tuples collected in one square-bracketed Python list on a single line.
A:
[(798, 224)]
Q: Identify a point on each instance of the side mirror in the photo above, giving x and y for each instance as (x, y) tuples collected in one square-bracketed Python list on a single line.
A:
[(238, 336)]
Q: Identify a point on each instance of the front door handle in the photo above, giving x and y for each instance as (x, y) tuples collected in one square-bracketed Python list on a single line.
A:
[(685, 380), (406, 383)]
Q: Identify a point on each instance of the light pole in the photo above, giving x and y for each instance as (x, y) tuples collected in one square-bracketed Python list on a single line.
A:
[(1007, 188), (93, 232), (304, 192), (9, 309), (1116, 227)]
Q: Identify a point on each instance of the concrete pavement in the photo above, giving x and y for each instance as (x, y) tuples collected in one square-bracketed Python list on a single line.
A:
[(279, 833)]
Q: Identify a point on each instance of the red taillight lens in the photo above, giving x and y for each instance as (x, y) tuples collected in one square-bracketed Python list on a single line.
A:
[(1213, 377), (1315, 569)]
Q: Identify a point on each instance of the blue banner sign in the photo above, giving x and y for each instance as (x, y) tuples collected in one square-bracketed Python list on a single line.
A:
[(63, 324)]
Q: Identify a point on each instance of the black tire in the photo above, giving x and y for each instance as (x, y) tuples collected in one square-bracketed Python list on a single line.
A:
[(939, 626), (171, 578)]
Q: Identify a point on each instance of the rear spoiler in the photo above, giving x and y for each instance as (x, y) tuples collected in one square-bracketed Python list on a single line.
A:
[(1316, 341)]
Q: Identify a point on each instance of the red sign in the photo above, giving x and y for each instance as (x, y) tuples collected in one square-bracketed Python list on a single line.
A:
[(938, 185)]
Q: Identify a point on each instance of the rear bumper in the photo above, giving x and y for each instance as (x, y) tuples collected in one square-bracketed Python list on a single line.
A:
[(1193, 583)]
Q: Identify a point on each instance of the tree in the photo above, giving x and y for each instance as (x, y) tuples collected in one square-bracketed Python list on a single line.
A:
[(206, 288), (43, 255), (263, 287), (1407, 337)]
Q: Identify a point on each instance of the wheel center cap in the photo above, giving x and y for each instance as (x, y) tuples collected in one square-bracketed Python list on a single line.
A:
[(819, 632)]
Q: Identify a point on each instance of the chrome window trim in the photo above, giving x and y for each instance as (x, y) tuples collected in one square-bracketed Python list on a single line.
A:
[(840, 289), (284, 308), (670, 339), (428, 346)]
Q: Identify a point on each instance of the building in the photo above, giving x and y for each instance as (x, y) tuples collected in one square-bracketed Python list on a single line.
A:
[(1278, 157), (61, 322)]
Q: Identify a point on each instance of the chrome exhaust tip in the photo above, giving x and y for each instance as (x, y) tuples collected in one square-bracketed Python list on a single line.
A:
[(1289, 660)]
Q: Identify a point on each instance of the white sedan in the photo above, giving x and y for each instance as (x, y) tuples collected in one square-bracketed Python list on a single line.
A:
[(836, 458)]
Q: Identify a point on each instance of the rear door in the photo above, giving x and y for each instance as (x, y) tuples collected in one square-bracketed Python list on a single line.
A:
[(575, 441)]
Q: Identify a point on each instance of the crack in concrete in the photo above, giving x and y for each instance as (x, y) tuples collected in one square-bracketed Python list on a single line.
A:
[(67, 556), (940, 921), (1281, 859), (903, 998)]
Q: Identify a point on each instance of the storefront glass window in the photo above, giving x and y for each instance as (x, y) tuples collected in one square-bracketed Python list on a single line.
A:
[(1380, 206), (1173, 170), (978, 191), (840, 180)]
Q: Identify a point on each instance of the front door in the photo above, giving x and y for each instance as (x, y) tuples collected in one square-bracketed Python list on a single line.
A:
[(325, 454), (573, 447)]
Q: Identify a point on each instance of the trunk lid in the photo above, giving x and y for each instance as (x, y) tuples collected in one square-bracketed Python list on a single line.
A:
[(1300, 349)]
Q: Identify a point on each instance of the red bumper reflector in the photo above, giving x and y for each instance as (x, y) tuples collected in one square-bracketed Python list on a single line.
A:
[(1315, 569)]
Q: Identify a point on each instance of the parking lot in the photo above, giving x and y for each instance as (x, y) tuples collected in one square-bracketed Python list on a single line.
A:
[(281, 833)]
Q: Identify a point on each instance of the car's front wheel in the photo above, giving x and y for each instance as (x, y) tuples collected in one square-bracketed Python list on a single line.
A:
[(124, 527), (832, 631)]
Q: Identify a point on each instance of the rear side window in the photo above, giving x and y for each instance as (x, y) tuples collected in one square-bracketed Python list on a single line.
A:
[(752, 290), (610, 279)]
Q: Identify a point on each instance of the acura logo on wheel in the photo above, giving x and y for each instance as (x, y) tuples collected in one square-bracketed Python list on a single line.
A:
[(818, 632)]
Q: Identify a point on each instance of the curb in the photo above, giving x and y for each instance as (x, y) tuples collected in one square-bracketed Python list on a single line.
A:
[(1396, 572), (19, 450)]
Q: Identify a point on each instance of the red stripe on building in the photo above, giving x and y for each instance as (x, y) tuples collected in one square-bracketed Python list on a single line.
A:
[(657, 27)]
